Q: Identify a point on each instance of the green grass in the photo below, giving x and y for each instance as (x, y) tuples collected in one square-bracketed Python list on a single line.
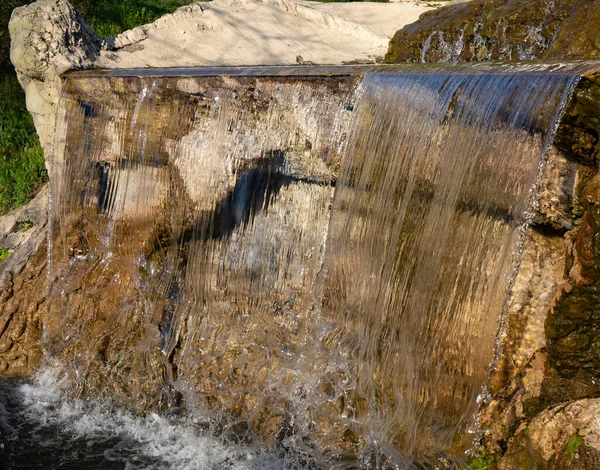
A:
[(111, 17), (24, 226), (4, 253), (22, 168)]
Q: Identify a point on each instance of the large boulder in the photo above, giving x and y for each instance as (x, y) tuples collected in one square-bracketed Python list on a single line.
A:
[(48, 37), (566, 436), (501, 30), (23, 286)]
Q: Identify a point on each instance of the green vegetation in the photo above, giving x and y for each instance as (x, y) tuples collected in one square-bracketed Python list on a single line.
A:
[(21, 158), (22, 168), (482, 462), (4, 253), (111, 17), (572, 446), (24, 226)]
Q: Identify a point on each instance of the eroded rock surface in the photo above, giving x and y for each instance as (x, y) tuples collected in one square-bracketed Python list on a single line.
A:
[(566, 436), (23, 286), (551, 352), (501, 30)]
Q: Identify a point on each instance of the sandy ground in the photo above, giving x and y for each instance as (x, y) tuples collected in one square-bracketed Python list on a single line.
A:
[(263, 32), (383, 19)]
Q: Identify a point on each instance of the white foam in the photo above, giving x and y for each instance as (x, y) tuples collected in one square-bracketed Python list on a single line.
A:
[(149, 442)]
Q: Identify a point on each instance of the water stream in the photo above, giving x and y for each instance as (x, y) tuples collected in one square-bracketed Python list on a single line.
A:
[(286, 267)]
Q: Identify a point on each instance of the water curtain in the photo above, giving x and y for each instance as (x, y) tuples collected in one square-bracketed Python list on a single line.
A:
[(320, 257)]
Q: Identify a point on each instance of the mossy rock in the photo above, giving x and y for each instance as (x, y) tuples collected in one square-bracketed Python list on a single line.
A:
[(573, 327), (578, 134), (501, 30)]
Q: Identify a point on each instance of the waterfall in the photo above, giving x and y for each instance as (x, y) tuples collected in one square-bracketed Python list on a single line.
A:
[(317, 258)]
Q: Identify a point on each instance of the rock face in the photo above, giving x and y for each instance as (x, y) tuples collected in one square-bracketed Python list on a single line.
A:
[(501, 30), (550, 348), (566, 436), (23, 286), (48, 38)]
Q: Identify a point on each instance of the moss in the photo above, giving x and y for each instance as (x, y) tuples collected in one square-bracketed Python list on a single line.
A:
[(4, 254), (578, 134), (24, 226), (503, 30), (525, 460), (483, 462), (572, 446), (532, 406), (573, 330)]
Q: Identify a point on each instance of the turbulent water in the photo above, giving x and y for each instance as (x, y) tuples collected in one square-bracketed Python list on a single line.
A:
[(312, 261), (43, 427)]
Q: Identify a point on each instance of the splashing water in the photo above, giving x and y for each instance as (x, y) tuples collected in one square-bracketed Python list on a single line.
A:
[(320, 257), (52, 427)]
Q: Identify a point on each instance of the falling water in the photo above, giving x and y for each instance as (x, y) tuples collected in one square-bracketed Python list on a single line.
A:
[(316, 259), (433, 195)]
